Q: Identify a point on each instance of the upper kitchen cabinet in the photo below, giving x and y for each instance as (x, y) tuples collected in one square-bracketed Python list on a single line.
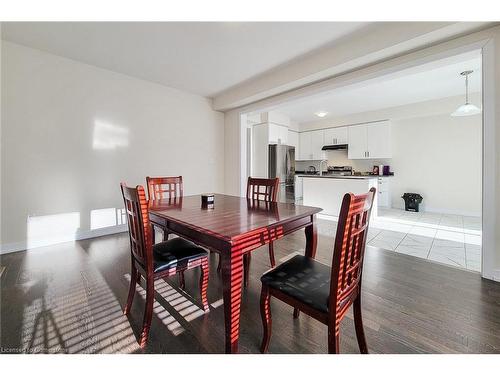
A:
[(305, 150), (278, 134), (317, 142), (370, 141), (379, 140), (270, 133), (310, 144), (358, 144), (336, 136)]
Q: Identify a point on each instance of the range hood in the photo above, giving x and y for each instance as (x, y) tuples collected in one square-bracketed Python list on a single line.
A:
[(335, 147)]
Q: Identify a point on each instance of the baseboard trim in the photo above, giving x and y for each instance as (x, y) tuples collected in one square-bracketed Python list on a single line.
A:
[(327, 217), (493, 275), (81, 235), (438, 210)]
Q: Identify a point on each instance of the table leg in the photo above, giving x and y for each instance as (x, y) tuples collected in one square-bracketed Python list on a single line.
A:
[(311, 238), (232, 277)]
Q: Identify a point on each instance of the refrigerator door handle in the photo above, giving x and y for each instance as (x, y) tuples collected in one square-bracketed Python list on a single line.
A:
[(287, 165)]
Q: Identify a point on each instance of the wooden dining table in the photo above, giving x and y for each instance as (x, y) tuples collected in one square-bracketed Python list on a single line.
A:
[(233, 226)]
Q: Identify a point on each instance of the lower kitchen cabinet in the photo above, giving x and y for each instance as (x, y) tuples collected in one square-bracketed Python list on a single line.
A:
[(384, 192)]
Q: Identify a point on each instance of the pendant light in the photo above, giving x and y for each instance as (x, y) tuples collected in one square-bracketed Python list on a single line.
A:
[(466, 109)]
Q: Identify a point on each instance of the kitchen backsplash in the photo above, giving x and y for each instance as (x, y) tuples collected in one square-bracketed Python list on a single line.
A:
[(339, 158)]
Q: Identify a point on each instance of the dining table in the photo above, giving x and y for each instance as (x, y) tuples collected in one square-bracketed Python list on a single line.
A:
[(233, 226)]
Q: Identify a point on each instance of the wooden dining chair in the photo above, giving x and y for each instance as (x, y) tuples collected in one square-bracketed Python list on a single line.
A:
[(264, 190), (155, 261), (319, 291), (164, 188)]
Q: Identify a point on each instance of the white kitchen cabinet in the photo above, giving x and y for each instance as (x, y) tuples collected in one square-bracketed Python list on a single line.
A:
[(379, 140), (298, 187), (260, 144), (384, 192), (278, 134), (370, 141), (357, 142), (293, 140), (305, 150), (317, 142), (336, 136), (310, 144)]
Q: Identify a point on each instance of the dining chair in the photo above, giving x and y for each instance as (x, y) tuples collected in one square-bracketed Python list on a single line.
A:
[(266, 190), (263, 190), (164, 188), (156, 261), (322, 292)]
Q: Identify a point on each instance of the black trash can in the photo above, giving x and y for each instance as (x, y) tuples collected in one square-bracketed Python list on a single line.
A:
[(412, 200)]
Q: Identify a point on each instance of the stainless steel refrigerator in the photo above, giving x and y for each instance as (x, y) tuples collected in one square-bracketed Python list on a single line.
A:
[(282, 165)]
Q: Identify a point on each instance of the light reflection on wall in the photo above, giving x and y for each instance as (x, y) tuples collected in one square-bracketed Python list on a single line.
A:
[(107, 136), (51, 229), (106, 217)]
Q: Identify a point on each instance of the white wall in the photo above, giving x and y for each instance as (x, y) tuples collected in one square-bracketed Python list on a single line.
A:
[(72, 132), (233, 150), (439, 157)]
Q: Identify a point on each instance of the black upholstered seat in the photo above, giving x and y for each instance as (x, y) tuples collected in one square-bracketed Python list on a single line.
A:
[(302, 278), (176, 252)]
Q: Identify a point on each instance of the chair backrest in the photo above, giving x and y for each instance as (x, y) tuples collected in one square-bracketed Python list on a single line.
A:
[(263, 189), (164, 187), (136, 209), (348, 254)]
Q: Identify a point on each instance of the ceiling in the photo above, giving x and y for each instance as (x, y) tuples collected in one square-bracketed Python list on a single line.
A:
[(435, 80), (203, 58)]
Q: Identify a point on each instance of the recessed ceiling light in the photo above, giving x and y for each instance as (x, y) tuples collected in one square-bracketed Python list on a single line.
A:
[(321, 113)]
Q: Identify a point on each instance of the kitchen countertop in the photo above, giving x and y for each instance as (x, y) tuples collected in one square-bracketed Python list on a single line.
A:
[(337, 176)]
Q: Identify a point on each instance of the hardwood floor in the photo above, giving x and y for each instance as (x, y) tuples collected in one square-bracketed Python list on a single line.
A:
[(69, 297)]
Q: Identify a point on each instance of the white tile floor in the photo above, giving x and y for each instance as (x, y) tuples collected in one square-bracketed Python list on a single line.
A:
[(450, 239)]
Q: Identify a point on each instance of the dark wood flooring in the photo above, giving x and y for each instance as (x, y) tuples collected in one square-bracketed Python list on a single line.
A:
[(69, 297)]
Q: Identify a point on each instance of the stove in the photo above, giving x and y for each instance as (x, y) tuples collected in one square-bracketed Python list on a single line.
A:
[(340, 171)]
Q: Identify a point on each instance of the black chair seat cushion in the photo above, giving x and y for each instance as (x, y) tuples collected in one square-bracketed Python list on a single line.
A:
[(303, 279), (176, 252)]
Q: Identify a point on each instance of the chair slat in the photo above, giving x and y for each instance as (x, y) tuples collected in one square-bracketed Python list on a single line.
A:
[(164, 187)]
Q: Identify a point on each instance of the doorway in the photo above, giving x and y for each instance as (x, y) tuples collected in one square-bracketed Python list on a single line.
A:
[(451, 232)]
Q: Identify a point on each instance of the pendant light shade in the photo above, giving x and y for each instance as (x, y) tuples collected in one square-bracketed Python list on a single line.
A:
[(466, 109)]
